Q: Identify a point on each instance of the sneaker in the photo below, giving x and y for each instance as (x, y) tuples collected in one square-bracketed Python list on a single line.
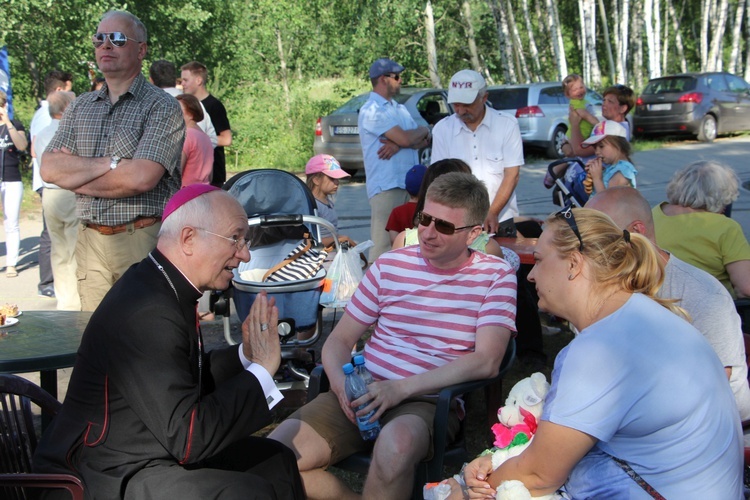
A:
[(11, 272), (47, 291), (548, 181)]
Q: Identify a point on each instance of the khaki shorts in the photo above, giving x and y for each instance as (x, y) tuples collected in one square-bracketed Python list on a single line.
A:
[(325, 416)]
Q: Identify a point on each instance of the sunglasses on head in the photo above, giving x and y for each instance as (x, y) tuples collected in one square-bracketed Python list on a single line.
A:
[(567, 214), (117, 38), (441, 226)]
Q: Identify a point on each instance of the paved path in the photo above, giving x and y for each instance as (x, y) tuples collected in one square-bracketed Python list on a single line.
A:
[(655, 168)]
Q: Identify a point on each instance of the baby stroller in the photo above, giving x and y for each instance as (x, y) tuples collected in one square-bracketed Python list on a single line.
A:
[(568, 188), (280, 208)]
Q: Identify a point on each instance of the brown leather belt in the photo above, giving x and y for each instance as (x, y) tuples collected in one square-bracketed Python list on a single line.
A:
[(121, 228)]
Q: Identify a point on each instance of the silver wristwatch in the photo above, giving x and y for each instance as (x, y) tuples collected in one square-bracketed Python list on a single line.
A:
[(113, 162)]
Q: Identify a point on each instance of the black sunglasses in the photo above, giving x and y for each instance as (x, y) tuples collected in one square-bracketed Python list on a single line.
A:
[(395, 76), (567, 214), (441, 226), (117, 38)]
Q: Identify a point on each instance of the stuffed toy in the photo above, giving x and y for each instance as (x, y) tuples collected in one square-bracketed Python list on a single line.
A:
[(518, 421)]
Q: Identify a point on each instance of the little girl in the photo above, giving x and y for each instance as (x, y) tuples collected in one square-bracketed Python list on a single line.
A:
[(323, 174), (612, 165)]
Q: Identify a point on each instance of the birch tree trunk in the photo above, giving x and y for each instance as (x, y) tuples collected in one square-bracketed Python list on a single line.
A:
[(607, 42), (284, 79), (545, 38), (677, 36), (432, 62), (735, 64), (653, 36), (533, 52), (503, 38), (705, 20), (557, 41), (473, 53), (520, 57), (636, 39), (586, 69), (595, 72), (622, 40), (718, 26)]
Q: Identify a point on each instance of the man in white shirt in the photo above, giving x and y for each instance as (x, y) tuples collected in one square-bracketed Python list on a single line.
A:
[(488, 141), (55, 81)]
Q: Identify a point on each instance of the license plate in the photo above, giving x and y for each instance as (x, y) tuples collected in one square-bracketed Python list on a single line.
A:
[(659, 107), (345, 130)]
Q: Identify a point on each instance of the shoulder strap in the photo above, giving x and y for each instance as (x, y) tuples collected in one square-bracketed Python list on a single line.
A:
[(291, 258), (637, 478)]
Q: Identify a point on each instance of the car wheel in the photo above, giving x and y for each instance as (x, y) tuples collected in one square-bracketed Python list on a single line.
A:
[(554, 150), (708, 129), (425, 154)]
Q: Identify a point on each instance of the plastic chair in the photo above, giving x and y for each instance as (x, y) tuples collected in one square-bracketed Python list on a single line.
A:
[(18, 441), (454, 453)]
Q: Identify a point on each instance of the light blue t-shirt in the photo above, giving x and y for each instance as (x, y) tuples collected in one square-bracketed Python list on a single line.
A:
[(623, 167), (648, 386), (376, 117)]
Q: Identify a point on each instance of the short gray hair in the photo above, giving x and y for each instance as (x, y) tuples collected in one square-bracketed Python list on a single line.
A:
[(460, 190), (58, 101), (198, 212), (705, 184), (139, 29)]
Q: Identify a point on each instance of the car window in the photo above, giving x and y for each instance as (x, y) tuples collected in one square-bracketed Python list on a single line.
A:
[(716, 82), (552, 95), (736, 84), (433, 104), (666, 85), (594, 97), (353, 104), (510, 98), (433, 108)]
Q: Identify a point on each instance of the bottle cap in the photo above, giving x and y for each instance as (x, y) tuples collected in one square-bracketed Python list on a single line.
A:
[(348, 368), (359, 360)]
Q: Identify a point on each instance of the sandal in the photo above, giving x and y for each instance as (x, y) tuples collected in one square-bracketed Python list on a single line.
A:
[(11, 272)]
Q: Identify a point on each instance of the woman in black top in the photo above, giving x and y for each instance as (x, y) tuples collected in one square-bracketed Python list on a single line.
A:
[(12, 141)]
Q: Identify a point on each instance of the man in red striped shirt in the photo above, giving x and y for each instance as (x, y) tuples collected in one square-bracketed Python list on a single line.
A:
[(442, 314)]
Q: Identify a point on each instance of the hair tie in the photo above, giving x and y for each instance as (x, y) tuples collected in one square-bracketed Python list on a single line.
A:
[(626, 235)]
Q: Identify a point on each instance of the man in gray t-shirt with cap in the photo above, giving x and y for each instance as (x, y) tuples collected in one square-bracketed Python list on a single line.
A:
[(390, 140)]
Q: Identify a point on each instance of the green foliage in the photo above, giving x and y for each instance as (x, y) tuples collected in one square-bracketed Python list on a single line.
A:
[(326, 47)]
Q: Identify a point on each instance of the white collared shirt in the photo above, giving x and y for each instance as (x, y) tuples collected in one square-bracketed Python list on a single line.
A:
[(494, 146)]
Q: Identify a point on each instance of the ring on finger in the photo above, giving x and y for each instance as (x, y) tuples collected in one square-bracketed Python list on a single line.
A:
[(263, 327)]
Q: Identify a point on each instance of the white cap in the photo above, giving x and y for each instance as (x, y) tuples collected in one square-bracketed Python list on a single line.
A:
[(465, 86), (602, 130)]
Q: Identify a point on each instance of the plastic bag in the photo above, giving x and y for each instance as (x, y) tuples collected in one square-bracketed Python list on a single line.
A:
[(343, 276)]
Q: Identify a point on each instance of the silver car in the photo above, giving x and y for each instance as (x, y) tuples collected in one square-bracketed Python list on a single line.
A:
[(541, 110), (338, 134)]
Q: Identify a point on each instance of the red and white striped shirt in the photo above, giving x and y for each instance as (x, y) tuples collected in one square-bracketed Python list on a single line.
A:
[(426, 317)]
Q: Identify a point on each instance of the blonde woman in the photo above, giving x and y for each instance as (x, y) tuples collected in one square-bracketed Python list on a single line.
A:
[(639, 402)]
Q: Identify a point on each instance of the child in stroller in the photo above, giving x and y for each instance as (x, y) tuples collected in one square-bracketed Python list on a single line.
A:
[(612, 165)]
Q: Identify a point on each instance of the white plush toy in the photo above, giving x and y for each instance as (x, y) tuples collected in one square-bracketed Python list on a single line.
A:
[(518, 421), (517, 424)]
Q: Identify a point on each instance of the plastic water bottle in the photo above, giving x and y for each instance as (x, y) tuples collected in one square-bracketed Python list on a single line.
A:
[(356, 387), (359, 365)]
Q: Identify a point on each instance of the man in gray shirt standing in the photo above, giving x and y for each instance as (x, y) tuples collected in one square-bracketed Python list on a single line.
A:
[(119, 150)]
